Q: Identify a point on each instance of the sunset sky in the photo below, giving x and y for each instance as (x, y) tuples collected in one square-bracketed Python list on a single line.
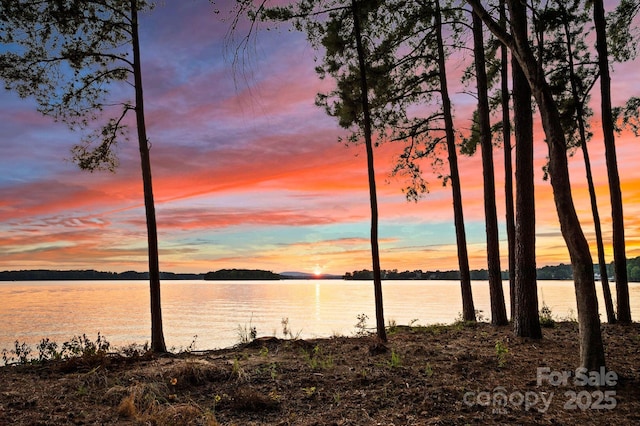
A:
[(248, 173)]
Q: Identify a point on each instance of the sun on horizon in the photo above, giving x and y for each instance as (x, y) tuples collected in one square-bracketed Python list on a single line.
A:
[(317, 270)]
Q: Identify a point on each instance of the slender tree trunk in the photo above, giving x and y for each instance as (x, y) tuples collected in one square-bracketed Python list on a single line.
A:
[(375, 253), (498, 309), (157, 335), (604, 276), (619, 255), (602, 264), (526, 320), (468, 310), (508, 169)]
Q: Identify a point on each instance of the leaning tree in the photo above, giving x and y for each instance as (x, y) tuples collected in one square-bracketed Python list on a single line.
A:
[(572, 73)]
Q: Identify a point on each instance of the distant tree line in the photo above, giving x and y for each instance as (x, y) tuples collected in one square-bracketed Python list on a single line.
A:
[(478, 274), (556, 272), (90, 274), (633, 269), (77, 275)]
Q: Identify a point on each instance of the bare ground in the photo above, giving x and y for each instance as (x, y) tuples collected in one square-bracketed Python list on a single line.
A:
[(436, 375)]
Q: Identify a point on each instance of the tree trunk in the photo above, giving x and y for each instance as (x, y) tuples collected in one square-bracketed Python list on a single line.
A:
[(496, 294), (604, 276), (602, 264), (468, 310), (591, 348), (157, 335), (375, 253), (508, 169), (526, 320), (619, 255)]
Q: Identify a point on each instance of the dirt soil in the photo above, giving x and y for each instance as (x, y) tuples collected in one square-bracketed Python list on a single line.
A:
[(436, 375)]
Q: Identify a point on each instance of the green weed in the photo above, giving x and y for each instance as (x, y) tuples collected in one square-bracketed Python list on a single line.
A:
[(428, 370), (396, 360), (392, 327), (502, 351), (316, 359), (238, 372), (309, 391)]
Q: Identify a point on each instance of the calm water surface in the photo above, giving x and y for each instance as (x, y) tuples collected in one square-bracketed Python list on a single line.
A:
[(214, 310)]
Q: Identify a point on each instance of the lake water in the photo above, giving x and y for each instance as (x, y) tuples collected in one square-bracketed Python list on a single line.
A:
[(214, 310)]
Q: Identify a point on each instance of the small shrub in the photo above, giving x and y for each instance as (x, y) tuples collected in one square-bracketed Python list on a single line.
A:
[(192, 345), (77, 348), (240, 374), (82, 346), (546, 319), (361, 325), (285, 327), (428, 370), (247, 333), (21, 352), (48, 350), (287, 332), (502, 351), (134, 350)]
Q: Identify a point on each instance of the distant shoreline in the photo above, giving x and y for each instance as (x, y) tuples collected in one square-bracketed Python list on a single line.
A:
[(558, 272), (93, 275), (246, 275), (84, 275)]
